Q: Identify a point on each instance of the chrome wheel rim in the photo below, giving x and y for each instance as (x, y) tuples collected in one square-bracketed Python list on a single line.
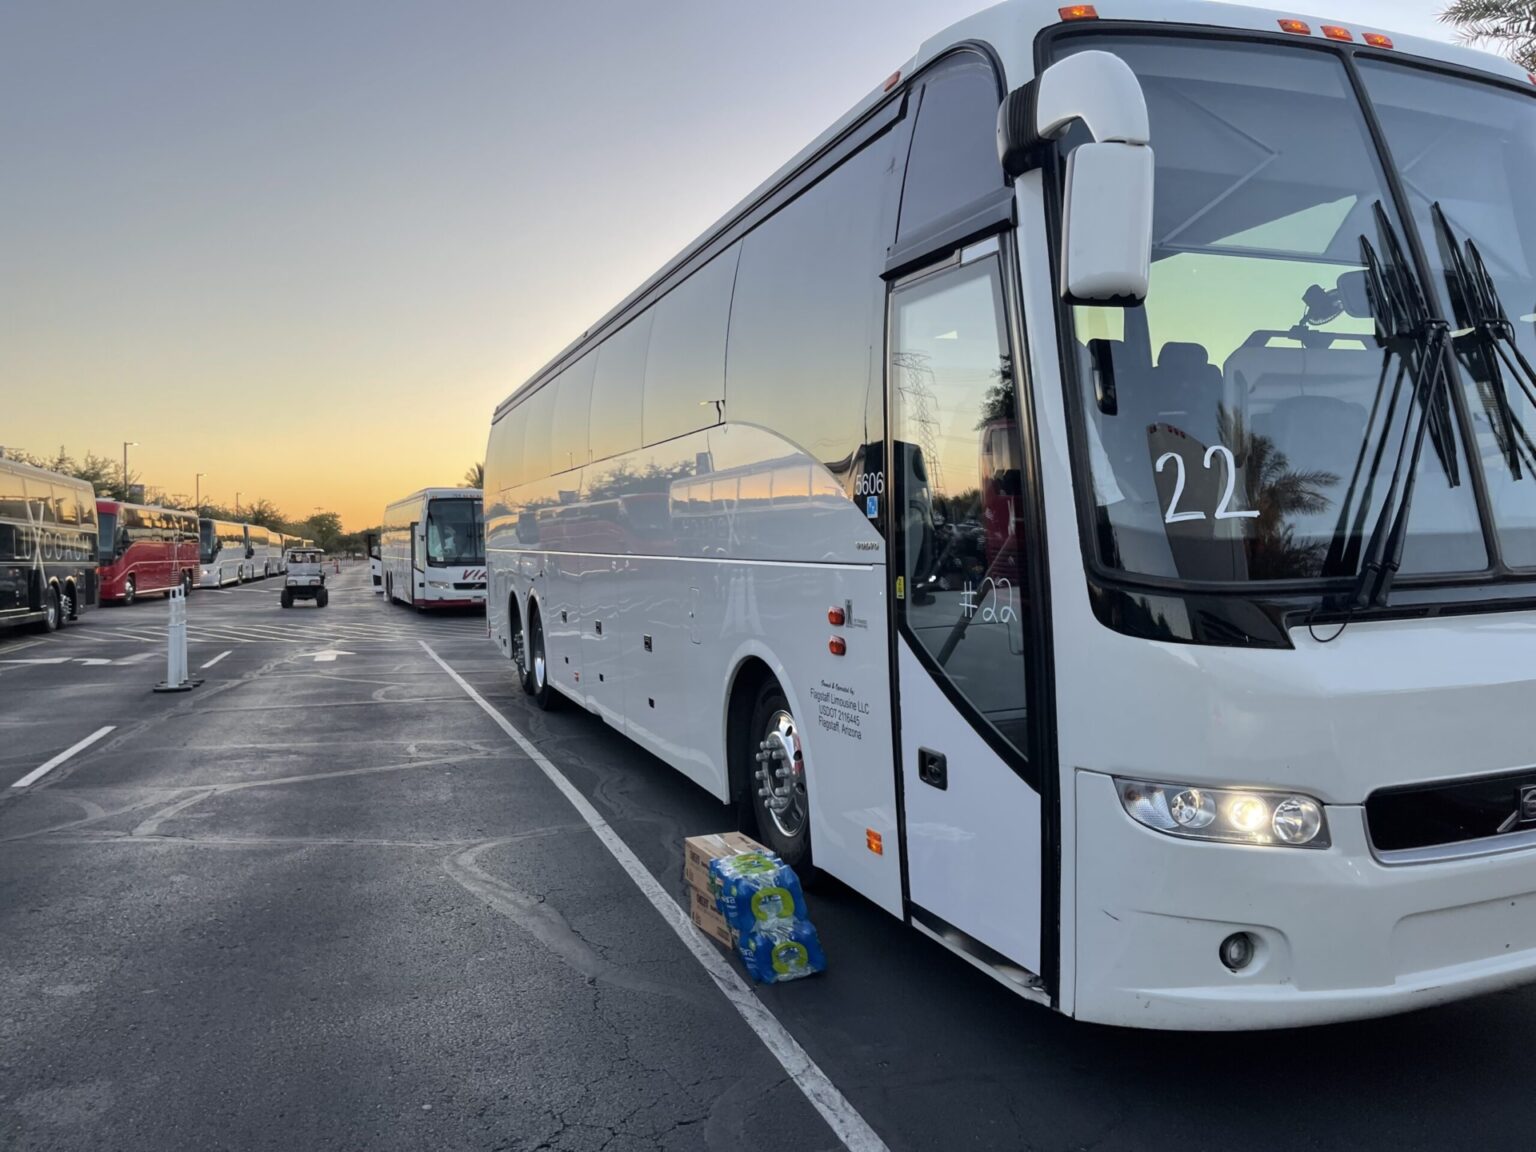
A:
[(67, 605), (781, 775), (51, 610)]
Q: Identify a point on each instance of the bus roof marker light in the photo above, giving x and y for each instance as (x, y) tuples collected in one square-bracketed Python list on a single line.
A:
[(890, 82), (1376, 39), (1338, 32), (1078, 12), (1295, 27)]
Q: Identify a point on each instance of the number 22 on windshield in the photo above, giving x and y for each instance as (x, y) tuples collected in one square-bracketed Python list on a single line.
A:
[(1223, 510)]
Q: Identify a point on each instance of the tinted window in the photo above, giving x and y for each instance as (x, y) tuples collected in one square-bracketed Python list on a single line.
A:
[(573, 405), (504, 458), (685, 371), (541, 409), (616, 390), (13, 496), (804, 335), (953, 161)]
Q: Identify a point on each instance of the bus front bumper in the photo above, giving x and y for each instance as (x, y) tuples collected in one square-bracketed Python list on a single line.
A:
[(1339, 935)]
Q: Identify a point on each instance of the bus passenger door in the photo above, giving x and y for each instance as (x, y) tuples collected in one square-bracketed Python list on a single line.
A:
[(418, 589), (962, 605)]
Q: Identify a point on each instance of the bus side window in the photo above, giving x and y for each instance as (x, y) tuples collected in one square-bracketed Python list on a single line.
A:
[(953, 161), (685, 371)]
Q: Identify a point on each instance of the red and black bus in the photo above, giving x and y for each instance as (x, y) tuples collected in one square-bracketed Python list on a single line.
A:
[(145, 549)]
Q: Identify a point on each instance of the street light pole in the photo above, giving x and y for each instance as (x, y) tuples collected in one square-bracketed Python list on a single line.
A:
[(127, 444), (198, 485), (237, 503)]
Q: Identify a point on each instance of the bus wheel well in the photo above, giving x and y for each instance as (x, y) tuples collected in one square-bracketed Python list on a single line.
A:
[(750, 677)]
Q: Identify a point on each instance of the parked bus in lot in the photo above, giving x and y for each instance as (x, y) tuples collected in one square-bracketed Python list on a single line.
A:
[(222, 548), (432, 549), (47, 546), (375, 560), (265, 554), (1007, 508), (145, 548)]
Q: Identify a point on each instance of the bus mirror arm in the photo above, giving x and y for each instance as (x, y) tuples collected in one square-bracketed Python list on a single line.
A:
[(1106, 231)]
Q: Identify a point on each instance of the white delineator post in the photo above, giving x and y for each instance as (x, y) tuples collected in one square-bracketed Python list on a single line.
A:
[(176, 675)]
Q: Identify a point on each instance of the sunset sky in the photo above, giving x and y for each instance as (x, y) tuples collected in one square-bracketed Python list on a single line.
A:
[(305, 248)]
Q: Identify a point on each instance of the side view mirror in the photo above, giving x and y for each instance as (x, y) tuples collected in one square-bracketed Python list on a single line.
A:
[(1106, 240)]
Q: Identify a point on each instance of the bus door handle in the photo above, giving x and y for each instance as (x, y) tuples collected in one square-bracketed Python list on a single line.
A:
[(933, 768)]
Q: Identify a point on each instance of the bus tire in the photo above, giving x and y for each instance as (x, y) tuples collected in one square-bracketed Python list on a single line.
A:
[(784, 818), (538, 685), (322, 598), (186, 583), (130, 589), (69, 606), (51, 611)]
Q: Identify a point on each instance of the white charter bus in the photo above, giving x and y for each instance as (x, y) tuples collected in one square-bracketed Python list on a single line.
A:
[(222, 548), (1007, 507), (432, 549), (264, 556)]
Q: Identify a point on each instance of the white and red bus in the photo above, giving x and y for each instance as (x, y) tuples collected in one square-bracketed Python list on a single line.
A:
[(432, 549), (144, 548), (1086, 503)]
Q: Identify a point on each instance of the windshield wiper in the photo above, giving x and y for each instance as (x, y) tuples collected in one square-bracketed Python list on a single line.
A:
[(1406, 328), (1486, 326)]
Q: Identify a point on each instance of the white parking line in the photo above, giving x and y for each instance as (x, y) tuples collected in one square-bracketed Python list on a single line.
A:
[(851, 1128), (42, 770), (216, 659)]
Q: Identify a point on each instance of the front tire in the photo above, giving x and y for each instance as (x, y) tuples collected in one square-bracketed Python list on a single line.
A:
[(186, 583), (130, 590), (777, 768)]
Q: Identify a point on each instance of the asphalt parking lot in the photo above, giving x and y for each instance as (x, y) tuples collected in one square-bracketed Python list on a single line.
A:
[(325, 900)]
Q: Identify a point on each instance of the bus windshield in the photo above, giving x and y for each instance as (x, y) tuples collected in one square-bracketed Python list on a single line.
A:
[(207, 541), (1243, 423), (455, 534)]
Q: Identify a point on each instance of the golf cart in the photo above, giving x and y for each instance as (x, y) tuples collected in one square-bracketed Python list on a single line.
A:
[(306, 577)]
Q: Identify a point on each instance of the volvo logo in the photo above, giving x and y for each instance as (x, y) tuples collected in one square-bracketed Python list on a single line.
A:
[(1528, 804)]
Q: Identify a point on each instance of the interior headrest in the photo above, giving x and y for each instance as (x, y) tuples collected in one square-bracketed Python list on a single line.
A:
[(1180, 357)]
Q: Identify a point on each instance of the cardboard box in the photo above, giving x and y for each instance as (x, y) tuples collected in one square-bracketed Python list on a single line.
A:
[(708, 919), (698, 851)]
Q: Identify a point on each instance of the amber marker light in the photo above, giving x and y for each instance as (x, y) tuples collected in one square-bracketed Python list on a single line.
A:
[(1335, 32), (1296, 27), (836, 617), (874, 842), (1376, 39), (892, 80), (1078, 12)]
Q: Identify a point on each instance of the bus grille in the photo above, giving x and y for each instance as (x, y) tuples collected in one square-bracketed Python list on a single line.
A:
[(470, 586), (1425, 815)]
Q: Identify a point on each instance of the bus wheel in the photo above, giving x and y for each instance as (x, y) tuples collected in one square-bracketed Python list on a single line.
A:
[(50, 620), (68, 609), (779, 798), (130, 590), (538, 665), (186, 583)]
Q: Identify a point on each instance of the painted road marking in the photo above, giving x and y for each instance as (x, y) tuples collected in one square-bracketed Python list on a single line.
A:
[(851, 1128), (42, 770), (216, 659), (329, 655)]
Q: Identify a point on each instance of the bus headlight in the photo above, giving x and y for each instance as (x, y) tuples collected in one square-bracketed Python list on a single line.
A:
[(439, 584), (1236, 816)]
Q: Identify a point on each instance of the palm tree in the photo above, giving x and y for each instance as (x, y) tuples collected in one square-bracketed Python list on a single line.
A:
[(474, 476), (1509, 24)]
